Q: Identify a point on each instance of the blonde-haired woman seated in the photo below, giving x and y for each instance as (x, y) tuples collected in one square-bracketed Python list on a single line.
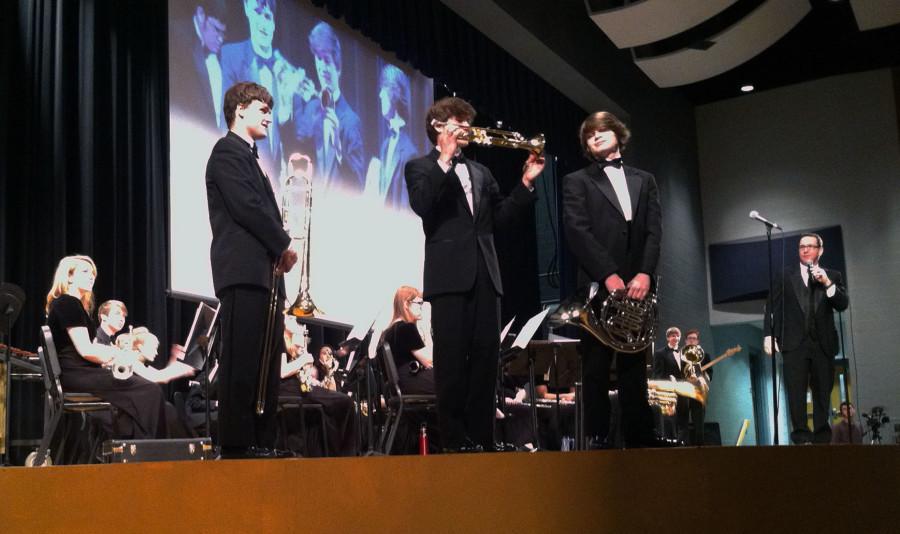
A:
[(412, 354), (70, 301)]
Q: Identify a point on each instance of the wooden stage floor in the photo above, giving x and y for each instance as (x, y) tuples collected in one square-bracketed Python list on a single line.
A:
[(853, 489)]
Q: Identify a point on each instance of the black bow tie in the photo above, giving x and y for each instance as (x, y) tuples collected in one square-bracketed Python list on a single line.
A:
[(267, 62), (255, 151), (617, 163), (459, 159)]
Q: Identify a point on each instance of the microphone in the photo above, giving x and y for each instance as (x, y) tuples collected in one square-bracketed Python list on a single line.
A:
[(809, 272), (755, 215)]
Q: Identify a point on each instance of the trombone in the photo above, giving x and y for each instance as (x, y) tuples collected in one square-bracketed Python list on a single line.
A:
[(297, 185)]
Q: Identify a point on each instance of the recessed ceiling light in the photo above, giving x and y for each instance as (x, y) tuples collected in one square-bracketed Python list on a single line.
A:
[(746, 88)]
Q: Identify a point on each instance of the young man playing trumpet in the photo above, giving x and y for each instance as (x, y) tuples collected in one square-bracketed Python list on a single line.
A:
[(248, 242), (460, 203)]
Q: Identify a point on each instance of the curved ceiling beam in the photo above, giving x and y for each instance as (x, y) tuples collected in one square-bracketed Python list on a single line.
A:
[(739, 43), (649, 21)]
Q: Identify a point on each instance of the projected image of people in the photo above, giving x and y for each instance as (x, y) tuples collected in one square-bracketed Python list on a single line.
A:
[(327, 119), (256, 60), (384, 178), (197, 57)]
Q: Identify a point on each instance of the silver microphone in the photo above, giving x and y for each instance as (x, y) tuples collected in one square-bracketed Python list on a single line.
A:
[(755, 215)]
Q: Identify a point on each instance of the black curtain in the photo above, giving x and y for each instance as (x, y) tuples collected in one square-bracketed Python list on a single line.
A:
[(87, 166)]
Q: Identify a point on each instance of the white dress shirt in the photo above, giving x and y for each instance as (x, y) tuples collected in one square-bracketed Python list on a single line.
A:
[(616, 177)]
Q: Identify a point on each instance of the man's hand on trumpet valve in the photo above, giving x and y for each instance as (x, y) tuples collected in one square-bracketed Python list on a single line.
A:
[(448, 141), (287, 261), (534, 166)]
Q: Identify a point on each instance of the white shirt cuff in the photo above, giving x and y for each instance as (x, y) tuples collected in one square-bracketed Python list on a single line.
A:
[(831, 290)]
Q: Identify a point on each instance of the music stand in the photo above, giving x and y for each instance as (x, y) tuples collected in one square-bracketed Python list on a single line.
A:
[(197, 349), (519, 365), (11, 300)]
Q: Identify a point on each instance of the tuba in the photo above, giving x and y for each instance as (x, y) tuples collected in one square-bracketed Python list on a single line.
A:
[(501, 138), (621, 323), (296, 212)]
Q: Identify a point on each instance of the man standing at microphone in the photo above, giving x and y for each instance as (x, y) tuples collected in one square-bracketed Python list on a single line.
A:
[(804, 302)]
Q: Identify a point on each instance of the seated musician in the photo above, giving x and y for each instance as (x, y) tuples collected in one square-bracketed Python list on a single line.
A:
[(146, 345), (412, 354), (70, 301), (315, 381), (112, 315)]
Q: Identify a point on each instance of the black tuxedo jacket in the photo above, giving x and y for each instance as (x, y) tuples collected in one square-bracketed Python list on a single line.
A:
[(664, 364), (791, 301), (247, 233), (597, 233), (453, 236)]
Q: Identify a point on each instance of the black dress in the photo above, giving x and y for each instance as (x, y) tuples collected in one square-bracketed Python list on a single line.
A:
[(404, 338), (140, 402)]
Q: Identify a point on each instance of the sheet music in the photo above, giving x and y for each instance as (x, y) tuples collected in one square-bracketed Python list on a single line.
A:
[(506, 329), (530, 329)]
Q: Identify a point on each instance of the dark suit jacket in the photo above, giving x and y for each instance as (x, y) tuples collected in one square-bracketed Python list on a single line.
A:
[(247, 233), (664, 364), (349, 173), (596, 231), (451, 232), (791, 308), (397, 197)]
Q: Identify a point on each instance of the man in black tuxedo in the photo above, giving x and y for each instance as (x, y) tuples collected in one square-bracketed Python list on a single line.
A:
[(667, 364), (460, 203), (805, 300), (248, 242), (691, 419), (613, 229)]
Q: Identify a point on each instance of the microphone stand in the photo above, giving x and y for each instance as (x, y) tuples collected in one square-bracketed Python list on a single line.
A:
[(771, 313), (846, 379)]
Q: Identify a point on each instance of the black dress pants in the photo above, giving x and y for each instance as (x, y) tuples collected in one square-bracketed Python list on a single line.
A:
[(631, 372), (466, 330), (243, 321), (808, 367)]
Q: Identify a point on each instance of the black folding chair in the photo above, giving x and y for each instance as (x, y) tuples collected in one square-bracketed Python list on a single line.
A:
[(303, 405), (59, 402), (396, 401)]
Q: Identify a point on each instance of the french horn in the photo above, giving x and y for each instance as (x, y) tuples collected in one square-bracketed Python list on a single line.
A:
[(619, 322)]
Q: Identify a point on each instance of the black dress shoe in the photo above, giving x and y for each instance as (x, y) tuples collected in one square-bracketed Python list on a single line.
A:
[(467, 446), (502, 446), (661, 443), (596, 443)]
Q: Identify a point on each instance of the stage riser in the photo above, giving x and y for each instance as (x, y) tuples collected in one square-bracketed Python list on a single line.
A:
[(720, 490)]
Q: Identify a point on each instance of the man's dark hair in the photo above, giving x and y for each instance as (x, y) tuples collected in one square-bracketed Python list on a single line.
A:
[(817, 236), (241, 94), (444, 109), (602, 121), (692, 331), (217, 9)]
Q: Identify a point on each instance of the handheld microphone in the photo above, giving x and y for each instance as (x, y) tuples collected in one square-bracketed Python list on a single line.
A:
[(755, 215)]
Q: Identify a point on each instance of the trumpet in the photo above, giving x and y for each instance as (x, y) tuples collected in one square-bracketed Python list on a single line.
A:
[(495, 137)]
